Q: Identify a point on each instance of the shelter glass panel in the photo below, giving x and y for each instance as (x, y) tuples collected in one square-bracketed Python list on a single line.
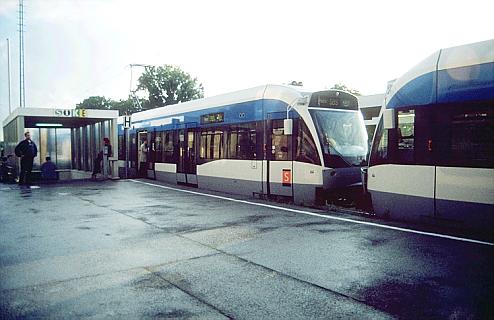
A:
[(47, 144), (106, 131), (35, 138), (97, 137), (86, 139), (74, 147), (10, 137), (64, 148)]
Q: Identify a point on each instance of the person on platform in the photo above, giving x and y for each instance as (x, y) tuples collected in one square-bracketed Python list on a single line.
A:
[(27, 151), (49, 170), (99, 158), (143, 155)]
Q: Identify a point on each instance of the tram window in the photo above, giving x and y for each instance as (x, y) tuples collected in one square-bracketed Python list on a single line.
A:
[(133, 150), (217, 143), (211, 145), (206, 148), (405, 132), (406, 129), (158, 146), (203, 145), (471, 142), (281, 144), (424, 140), (379, 152), (246, 146), (241, 142), (306, 150), (121, 147), (168, 147), (151, 149), (232, 143)]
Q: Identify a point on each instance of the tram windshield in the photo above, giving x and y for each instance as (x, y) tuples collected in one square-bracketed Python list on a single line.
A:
[(343, 137)]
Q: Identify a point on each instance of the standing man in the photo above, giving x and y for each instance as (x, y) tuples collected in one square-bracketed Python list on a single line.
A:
[(27, 151)]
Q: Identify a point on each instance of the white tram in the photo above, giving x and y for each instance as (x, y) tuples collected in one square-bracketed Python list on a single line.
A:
[(272, 140), (433, 151)]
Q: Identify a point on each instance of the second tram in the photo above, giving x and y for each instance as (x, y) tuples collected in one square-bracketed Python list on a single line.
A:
[(433, 151)]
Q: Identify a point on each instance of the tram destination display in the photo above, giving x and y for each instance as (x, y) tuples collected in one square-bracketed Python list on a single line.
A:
[(213, 118), (334, 100)]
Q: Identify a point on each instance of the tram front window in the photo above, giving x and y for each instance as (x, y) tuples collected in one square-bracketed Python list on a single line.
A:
[(343, 137)]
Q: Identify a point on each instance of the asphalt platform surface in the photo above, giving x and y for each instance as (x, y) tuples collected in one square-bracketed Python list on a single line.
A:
[(132, 250)]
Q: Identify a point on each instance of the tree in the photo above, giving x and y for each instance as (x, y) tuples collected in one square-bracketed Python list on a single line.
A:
[(95, 102), (125, 107), (165, 85), (342, 87), (128, 106), (169, 85)]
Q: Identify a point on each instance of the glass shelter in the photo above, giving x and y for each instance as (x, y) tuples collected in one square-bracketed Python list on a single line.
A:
[(72, 138)]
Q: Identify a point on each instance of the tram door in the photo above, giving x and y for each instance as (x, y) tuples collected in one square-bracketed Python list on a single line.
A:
[(186, 166), (151, 171), (142, 154), (280, 165)]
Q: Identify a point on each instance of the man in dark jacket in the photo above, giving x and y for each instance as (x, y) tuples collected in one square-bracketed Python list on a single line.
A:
[(27, 151)]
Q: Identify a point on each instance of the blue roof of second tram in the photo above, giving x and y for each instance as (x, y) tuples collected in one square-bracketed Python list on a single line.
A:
[(459, 74)]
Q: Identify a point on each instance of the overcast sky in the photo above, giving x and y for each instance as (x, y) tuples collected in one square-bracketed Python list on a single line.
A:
[(79, 48)]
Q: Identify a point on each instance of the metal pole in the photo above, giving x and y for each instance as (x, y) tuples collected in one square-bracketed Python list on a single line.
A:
[(8, 75), (126, 130), (22, 95), (127, 146), (130, 87)]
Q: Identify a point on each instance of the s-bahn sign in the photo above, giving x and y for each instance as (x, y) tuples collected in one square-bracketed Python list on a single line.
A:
[(75, 113)]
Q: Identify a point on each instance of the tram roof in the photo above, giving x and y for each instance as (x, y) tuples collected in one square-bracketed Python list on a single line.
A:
[(283, 93), (457, 74)]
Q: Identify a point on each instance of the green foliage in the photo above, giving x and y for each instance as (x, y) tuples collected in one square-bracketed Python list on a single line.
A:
[(165, 85), (123, 106), (95, 102), (169, 85), (342, 87)]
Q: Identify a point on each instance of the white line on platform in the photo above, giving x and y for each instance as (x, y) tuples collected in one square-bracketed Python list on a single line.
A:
[(437, 235)]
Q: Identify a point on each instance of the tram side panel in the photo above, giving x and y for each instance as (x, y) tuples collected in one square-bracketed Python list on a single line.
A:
[(307, 179), (402, 192), (231, 176), (166, 172), (297, 179), (466, 194)]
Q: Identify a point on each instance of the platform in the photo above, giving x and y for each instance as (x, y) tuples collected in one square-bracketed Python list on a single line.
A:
[(139, 249)]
